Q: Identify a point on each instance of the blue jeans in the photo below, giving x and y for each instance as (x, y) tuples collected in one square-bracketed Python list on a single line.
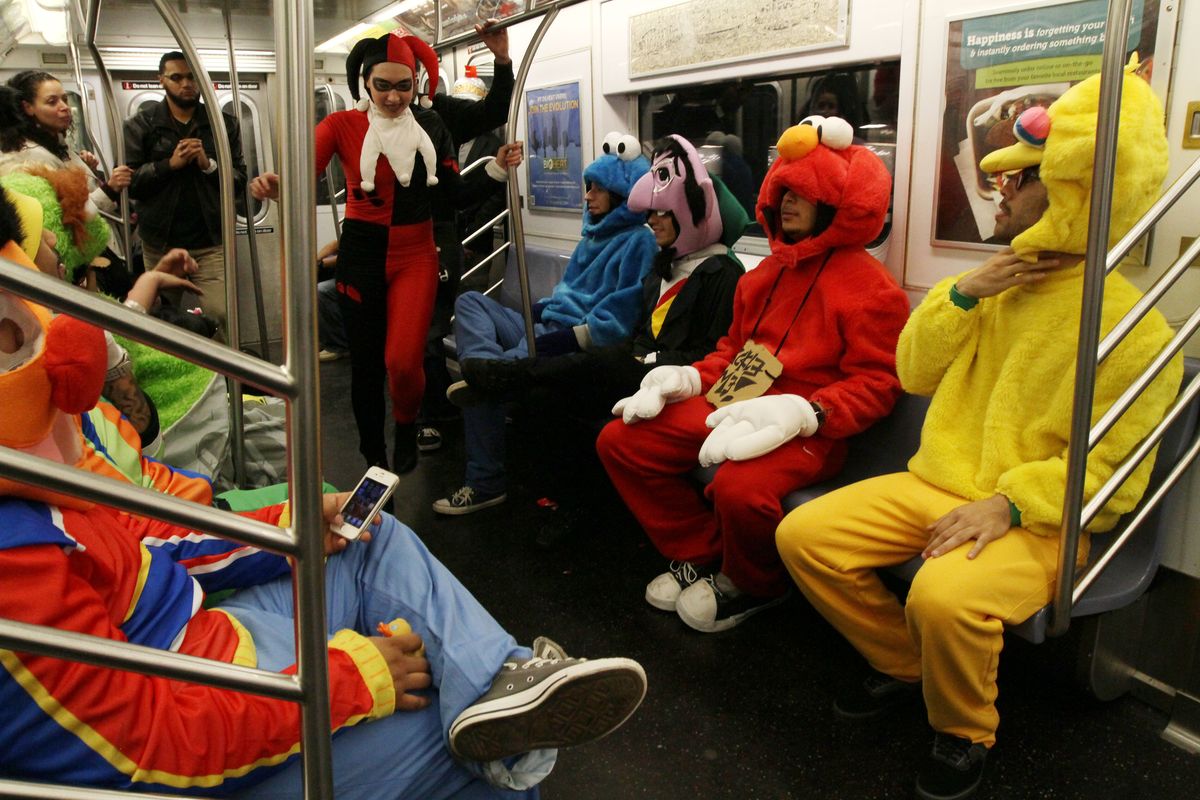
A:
[(404, 755), (331, 333), (485, 329)]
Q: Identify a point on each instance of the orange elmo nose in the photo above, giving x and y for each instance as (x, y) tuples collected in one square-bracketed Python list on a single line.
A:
[(797, 142)]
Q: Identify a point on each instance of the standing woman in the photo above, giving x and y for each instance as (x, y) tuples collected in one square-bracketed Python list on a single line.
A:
[(34, 120), (387, 270)]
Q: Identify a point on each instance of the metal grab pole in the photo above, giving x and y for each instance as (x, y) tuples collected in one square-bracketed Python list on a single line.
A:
[(228, 232), (251, 234), (1111, 77), (115, 123), (297, 206), (514, 190)]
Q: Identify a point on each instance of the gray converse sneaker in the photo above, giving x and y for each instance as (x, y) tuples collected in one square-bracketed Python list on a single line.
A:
[(466, 501), (548, 702), (663, 591)]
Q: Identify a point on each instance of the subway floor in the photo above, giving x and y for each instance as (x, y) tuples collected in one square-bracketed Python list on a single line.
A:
[(746, 713)]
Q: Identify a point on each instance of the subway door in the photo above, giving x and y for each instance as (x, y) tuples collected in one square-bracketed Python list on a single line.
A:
[(135, 92), (328, 98), (256, 126)]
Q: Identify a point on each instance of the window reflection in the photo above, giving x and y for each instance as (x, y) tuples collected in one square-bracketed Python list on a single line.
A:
[(78, 135), (735, 124), (323, 99), (250, 147)]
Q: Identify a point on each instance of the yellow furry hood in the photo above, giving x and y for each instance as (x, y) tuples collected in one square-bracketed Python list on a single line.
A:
[(1066, 164)]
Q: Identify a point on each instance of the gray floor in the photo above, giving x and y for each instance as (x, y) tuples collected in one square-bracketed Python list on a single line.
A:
[(746, 713)]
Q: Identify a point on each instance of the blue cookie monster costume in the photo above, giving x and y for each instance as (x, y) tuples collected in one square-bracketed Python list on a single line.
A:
[(596, 304)]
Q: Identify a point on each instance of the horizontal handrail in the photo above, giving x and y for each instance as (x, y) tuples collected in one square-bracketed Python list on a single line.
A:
[(476, 164), (54, 293), (102, 652), (1121, 473), (1151, 217), (485, 261), (1147, 301), (1134, 390), (1150, 505), (57, 791), (485, 227), (467, 36), (144, 502)]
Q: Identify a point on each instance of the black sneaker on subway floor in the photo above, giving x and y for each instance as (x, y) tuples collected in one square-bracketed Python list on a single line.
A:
[(952, 770), (876, 695)]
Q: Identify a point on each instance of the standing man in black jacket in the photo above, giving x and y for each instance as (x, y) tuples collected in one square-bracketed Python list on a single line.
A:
[(175, 188)]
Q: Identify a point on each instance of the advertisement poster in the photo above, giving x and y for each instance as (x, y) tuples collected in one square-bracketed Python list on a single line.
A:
[(996, 67), (461, 16), (554, 148)]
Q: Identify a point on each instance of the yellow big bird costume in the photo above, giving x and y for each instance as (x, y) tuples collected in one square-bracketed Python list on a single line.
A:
[(1001, 374)]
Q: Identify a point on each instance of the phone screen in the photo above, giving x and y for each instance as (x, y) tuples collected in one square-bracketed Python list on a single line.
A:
[(358, 508)]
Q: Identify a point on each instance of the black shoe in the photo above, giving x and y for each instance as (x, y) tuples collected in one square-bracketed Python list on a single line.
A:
[(494, 378), (952, 770), (404, 458), (429, 439), (463, 395), (875, 696)]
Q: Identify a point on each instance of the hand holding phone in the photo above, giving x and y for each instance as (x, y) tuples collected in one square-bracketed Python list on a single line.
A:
[(365, 502)]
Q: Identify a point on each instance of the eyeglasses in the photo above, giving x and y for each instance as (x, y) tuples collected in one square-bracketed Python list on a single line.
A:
[(1017, 177), (176, 77)]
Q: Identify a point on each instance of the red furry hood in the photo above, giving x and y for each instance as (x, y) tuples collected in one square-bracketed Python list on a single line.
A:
[(850, 178)]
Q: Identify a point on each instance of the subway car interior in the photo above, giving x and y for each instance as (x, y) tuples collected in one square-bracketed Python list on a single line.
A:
[(1098, 682)]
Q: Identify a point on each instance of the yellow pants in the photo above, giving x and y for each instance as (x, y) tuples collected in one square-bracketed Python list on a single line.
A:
[(950, 632)]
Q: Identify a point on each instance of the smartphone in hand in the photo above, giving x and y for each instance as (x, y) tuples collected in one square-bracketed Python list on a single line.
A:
[(366, 501)]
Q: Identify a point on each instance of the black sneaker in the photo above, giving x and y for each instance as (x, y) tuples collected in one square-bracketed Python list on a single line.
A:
[(548, 702), (663, 592), (466, 501), (496, 378), (953, 769), (463, 395), (875, 696), (714, 603), (429, 439)]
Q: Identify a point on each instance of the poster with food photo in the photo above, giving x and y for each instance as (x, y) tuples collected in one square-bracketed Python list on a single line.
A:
[(999, 65)]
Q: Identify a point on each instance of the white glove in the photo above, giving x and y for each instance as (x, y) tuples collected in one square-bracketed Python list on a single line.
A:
[(662, 385), (755, 427)]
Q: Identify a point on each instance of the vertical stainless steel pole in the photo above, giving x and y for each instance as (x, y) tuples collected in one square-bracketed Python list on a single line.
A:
[(115, 123), (251, 234), (1112, 73), (297, 206), (514, 189), (228, 230)]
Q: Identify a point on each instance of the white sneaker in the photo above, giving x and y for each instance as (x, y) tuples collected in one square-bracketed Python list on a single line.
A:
[(331, 355), (548, 703), (714, 604), (663, 591)]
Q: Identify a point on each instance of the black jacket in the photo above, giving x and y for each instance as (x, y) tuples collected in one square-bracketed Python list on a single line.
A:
[(699, 316), (150, 138)]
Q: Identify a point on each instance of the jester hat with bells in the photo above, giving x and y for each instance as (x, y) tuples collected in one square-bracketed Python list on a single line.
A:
[(818, 162), (406, 50), (1062, 139), (50, 368)]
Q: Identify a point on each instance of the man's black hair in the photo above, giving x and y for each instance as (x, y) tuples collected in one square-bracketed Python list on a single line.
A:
[(10, 221), (174, 55)]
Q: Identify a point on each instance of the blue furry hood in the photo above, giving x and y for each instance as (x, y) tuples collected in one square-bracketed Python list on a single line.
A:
[(618, 176)]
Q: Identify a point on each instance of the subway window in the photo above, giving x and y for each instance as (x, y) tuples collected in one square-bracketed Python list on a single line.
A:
[(247, 121), (327, 101), (735, 124), (78, 136)]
